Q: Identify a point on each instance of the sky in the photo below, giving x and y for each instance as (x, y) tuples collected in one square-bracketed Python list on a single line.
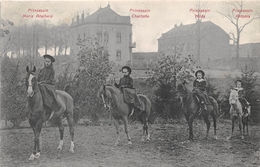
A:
[(163, 15)]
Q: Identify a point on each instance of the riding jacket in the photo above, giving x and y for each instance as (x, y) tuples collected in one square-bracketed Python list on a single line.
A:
[(241, 92), (46, 75), (200, 84), (47, 88), (125, 82)]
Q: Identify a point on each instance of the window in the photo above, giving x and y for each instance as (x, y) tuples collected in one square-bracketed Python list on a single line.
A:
[(118, 55), (99, 34), (106, 36), (118, 37)]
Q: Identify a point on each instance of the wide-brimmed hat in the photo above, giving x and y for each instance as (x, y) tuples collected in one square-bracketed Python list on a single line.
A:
[(200, 71), (239, 80), (128, 69), (50, 57)]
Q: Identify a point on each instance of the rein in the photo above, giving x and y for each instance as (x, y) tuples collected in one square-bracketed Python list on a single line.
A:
[(109, 99)]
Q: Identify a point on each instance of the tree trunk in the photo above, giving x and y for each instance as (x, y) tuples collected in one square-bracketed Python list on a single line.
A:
[(198, 43), (237, 48)]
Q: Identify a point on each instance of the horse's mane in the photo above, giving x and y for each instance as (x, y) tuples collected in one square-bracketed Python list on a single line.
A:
[(111, 87)]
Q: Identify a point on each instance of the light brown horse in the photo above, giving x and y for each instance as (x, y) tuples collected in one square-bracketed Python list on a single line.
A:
[(236, 113), (191, 108), (39, 113), (113, 100)]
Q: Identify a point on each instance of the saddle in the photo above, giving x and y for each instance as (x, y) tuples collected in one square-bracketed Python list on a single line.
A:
[(133, 101), (200, 102)]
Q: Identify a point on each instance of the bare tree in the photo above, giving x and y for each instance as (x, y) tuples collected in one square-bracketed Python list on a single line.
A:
[(234, 12), (199, 12)]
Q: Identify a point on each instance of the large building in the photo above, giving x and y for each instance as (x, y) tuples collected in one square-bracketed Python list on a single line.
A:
[(184, 39), (109, 29), (246, 50)]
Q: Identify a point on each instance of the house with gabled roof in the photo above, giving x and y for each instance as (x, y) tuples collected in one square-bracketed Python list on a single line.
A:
[(108, 28), (184, 40)]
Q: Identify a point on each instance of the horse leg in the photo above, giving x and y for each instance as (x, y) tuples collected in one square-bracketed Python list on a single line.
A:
[(146, 135), (206, 120), (244, 124), (125, 120), (61, 130), (247, 126), (37, 132), (215, 125), (190, 122), (116, 123), (240, 127), (70, 120), (232, 129)]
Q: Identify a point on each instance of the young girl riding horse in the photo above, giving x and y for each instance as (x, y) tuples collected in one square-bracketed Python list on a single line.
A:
[(46, 83), (199, 88), (126, 86)]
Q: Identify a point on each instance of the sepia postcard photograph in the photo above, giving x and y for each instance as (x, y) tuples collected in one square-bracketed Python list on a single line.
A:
[(160, 83)]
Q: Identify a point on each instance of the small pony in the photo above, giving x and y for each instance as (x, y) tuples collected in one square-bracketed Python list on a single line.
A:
[(236, 112), (38, 113), (191, 108), (113, 100)]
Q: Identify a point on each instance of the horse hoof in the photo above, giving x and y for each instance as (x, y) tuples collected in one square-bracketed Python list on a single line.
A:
[(148, 140), (242, 137), (216, 137), (31, 157), (72, 151), (229, 138), (130, 143), (59, 148), (37, 155)]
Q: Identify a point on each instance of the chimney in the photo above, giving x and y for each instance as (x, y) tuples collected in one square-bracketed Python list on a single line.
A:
[(77, 18)]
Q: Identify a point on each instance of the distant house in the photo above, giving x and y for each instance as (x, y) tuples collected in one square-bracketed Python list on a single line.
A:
[(214, 41), (246, 50), (109, 29)]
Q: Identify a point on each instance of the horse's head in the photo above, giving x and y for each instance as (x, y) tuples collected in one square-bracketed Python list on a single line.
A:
[(233, 98), (105, 95), (182, 90), (30, 81)]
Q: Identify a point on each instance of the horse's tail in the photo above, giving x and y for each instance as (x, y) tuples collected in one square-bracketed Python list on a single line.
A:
[(215, 107), (68, 88)]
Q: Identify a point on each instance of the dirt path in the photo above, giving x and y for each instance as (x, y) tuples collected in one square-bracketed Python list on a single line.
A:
[(94, 146)]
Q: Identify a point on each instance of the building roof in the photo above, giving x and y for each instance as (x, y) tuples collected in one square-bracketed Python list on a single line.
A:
[(187, 29), (105, 15)]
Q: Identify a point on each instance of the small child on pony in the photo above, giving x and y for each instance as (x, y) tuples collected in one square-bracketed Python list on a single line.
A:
[(241, 97)]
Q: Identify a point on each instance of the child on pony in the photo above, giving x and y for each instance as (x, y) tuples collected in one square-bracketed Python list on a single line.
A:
[(241, 97), (199, 88)]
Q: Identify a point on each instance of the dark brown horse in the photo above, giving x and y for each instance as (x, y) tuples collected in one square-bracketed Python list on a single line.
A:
[(113, 100), (191, 107), (39, 113)]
